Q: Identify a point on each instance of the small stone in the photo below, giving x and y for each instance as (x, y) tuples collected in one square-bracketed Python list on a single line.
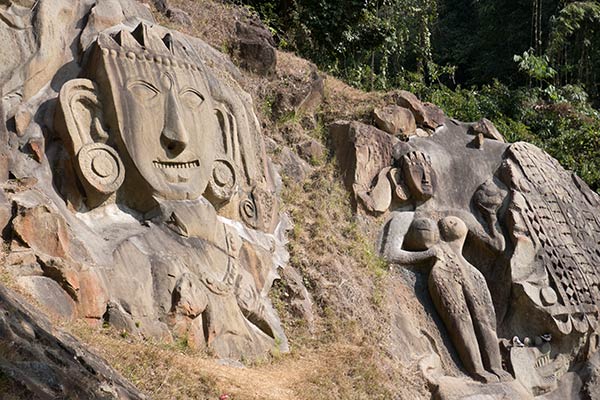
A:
[(485, 127), (37, 148), (22, 121), (311, 151)]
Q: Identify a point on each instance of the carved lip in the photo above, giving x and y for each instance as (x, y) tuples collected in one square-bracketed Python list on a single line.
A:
[(176, 164)]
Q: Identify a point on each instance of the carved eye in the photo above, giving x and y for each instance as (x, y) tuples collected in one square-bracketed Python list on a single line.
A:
[(144, 91), (191, 98)]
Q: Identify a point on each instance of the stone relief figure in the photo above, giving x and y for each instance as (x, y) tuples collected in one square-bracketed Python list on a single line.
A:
[(416, 186), (555, 230), (459, 292), (153, 136)]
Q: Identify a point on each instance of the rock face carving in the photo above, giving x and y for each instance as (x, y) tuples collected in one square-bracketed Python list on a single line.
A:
[(556, 233), (153, 173), (512, 240)]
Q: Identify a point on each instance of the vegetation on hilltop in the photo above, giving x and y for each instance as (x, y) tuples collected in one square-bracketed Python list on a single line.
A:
[(532, 67)]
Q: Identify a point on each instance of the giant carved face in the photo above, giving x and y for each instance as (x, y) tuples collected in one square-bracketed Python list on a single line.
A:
[(419, 175), (165, 115)]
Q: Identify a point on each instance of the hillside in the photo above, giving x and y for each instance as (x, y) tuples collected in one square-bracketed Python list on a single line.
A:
[(344, 318)]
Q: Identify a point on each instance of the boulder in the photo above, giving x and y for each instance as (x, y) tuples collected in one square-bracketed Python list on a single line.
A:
[(395, 120), (311, 151), (427, 115), (362, 151), (41, 362), (42, 230), (255, 48), (486, 128), (49, 293)]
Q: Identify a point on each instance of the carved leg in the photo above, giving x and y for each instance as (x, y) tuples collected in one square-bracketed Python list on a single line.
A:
[(449, 300), (481, 307)]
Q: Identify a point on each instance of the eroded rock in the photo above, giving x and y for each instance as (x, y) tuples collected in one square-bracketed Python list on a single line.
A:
[(42, 362), (486, 128), (361, 151), (255, 48), (395, 120), (152, 204)]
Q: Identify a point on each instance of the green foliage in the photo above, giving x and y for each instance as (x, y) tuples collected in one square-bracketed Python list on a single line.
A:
[(537, 67), (533, 68), (574, 45)]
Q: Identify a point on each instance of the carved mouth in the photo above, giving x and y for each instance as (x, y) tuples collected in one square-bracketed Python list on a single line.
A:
[(176, 165)]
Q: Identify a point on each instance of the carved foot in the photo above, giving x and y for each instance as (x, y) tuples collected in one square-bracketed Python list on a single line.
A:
[(502, 375), (485, 377)]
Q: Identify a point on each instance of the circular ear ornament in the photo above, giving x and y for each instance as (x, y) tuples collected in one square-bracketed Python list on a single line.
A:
[(101, 167), (222, 181), (249, 212)]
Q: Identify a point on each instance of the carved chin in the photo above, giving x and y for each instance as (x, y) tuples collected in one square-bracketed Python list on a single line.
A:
[(424, 194)]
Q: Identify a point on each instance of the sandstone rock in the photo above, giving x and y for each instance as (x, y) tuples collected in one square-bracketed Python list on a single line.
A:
[(37, 148), (199, 193), (43, 362), (174, 13), (426, 115), (486, 128), (293, 166), (450, 388), (22, 120), (5, 212), (93, 295), (62, 272), (4, 166), (43, 231), (500, 186), (395, 120), (300, 298), (314, 98), (362, 151), (255, 48), (49, 293), (434, 116), (408, 100), (422, 133)]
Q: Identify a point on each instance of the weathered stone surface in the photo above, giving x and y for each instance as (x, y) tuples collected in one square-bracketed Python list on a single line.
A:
[(151, 203), (312, 151), (292, 165), (362, 151), (43, 231), (450, 388), (174, 13), (485, 127), (433, 117), (426, 115), (255, 48), (45, 363), (314, 97), (395, 120), (49, 293), (511, 240)]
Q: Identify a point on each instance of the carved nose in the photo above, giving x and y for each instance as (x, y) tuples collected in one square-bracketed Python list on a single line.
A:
[(426, 178), (174, 137)]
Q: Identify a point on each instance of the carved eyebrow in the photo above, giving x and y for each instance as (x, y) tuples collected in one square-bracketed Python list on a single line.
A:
[(192, 102), (143, 85), (191, 90)]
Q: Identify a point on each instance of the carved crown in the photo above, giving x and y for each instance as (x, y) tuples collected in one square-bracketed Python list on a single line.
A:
[(143, 44)]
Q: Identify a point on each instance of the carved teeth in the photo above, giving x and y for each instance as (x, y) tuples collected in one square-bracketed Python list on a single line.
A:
[(175, 164)]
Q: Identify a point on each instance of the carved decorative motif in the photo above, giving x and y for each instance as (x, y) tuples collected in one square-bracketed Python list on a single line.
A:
[(565, 230), (101, 167)]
